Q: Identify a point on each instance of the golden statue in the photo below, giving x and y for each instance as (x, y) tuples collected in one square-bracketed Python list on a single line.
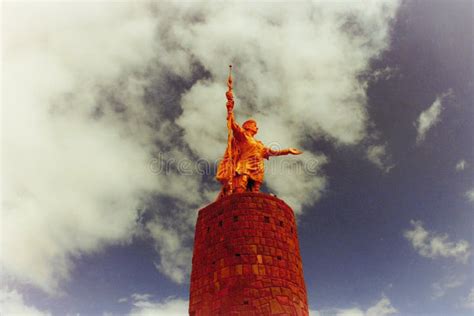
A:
[(242, 168)]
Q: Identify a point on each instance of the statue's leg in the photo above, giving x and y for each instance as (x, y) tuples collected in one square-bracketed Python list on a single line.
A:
[(240, 184), (223, 192), (256, 186)]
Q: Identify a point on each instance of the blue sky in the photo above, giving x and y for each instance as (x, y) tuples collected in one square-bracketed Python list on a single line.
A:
[(107, 107)]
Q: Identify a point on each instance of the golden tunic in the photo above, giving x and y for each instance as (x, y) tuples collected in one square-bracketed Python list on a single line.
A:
[(251, 153), (247, 156)]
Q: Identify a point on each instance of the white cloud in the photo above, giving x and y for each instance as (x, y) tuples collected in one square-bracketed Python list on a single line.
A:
[(461, 165), (137, 297), (384, 74), (297, 180), (383, 307), (201, 106), (314, 313), (432, 245), (78, 139), (12, 303), (168, 307), (350, 312), (377, 154), (468, 302), (441, 287), (470, 195), (430, 117), (175, 256), (122, 300)]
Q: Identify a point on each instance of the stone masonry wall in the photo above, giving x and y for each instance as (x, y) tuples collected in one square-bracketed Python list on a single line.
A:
[(246, 259)]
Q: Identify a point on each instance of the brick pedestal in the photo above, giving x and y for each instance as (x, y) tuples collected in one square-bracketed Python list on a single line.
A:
[(246, 259)]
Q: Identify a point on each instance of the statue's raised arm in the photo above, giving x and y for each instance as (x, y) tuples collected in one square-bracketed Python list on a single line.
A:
[(242, 167)]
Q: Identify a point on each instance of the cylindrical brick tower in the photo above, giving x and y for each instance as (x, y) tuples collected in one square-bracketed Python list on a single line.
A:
[(246, 259)]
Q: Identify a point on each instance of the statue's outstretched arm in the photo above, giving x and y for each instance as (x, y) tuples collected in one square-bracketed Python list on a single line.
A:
[(283, 152)]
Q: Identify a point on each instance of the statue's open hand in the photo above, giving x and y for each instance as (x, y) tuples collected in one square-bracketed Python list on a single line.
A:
[(294, 151)]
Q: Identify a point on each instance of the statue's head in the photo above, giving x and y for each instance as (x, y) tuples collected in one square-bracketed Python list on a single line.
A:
[(250, 126)]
